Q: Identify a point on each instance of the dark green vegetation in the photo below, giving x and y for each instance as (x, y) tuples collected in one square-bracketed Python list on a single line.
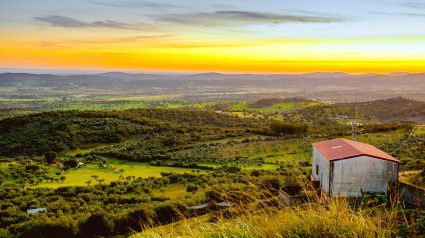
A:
[(114, 153), (391, 110), (126, 205), (116, 169), (408, 149), (300, 109), (230, 159), (268, 102), (24, 93), (58, 131)]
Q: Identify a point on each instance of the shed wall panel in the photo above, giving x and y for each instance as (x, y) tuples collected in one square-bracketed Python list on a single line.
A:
[(319, 161), (363, 173)]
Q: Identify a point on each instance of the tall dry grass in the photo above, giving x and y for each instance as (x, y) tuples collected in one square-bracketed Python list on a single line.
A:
[(335, 220), (338, 218)]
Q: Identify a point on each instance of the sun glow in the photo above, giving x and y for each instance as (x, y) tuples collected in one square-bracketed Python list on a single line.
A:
[(218, 40)]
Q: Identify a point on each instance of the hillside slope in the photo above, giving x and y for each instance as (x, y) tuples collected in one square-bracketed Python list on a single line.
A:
[(392, 110), (62, 130)]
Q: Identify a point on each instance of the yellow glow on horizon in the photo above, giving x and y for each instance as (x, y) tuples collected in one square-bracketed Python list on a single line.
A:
[(366, 37), (205, 55)]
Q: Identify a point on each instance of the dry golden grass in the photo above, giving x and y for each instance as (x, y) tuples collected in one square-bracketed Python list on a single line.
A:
[(336, 220), (312, 219)]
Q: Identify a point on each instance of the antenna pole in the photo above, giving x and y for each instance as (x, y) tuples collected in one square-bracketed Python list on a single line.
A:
[(353, 130)]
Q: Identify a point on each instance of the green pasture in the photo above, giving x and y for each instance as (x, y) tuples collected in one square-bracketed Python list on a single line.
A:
[(7, 171), (378, 136), (128, 105), (265, 166), (272, 152), (279, 107), (264, 149), (79, 176), (247, 114), (420, 129), (255, 114), (176, 191), (142, 98)]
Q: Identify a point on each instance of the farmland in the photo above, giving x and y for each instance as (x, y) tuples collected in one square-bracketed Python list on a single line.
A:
[(151, 158), (212, 119)]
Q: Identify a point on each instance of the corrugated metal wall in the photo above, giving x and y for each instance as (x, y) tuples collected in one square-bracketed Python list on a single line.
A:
[(363, 174), (352, 176), (321, 163)]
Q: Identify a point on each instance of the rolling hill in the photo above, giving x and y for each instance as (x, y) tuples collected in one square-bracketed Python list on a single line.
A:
[(392, 110), (338, 87)]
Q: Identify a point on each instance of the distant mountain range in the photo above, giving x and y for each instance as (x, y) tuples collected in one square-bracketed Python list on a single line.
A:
[(395, 84)]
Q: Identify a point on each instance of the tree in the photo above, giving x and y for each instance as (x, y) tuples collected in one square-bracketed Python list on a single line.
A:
[(71, 163), (271, 183), (170, 211), (135, 220), (32, 168), (191, 188), (169, 141), (62, 178), (231, 168), (60, 227), (279, 128), (96, 225), (51, 157)]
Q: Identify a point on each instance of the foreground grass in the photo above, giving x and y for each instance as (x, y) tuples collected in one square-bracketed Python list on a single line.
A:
[(336, 220)]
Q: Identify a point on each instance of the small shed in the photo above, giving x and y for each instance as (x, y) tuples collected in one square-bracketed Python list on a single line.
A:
[(34, 211), (349, 168)]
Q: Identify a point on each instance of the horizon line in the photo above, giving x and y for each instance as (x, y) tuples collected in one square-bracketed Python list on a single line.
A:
[(101, 71)]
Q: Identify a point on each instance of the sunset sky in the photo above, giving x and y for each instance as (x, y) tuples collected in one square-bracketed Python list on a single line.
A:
[(236, 36)]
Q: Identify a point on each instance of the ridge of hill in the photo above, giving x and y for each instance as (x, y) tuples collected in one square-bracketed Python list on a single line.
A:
[(268, 102), (389, 110), (62, 130), (396, 109)]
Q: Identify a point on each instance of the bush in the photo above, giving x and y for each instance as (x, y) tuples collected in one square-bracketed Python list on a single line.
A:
[(71, 163), (135, 220), (271, 183), (97, 224), (191, 188), (231, 168), (51, 157), (46, 228), (169, 212)]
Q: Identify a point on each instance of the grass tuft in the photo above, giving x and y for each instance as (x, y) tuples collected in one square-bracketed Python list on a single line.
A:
[(338, 219)]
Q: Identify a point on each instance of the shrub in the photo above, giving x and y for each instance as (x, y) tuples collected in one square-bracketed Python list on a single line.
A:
[(135, 220), (71, 163), (97, 224), (51, 157), (168, 212), (46, 228)]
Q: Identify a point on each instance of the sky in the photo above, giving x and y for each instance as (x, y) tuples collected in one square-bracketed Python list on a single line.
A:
[(232, 36)]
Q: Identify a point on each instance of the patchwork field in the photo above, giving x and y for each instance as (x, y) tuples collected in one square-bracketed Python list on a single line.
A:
[(279, 107)]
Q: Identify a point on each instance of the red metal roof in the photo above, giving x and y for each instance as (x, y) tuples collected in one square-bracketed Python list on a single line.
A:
[(339, 149)]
